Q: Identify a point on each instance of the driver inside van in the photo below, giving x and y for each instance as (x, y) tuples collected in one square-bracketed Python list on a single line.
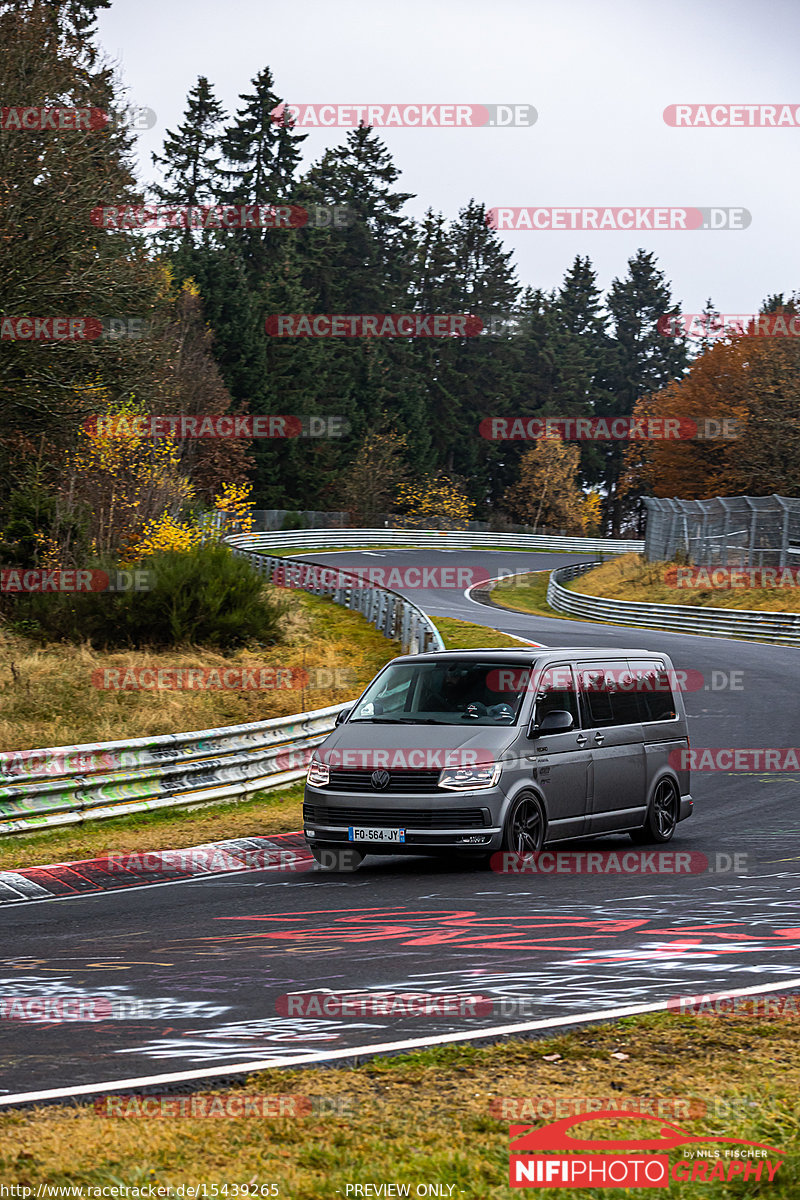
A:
[(470, 693)]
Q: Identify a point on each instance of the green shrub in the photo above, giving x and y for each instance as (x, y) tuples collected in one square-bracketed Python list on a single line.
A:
[(206, 597), (294, 520)]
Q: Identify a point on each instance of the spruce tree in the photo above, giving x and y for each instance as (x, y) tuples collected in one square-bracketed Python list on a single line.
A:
[(190, 165), (641, 361)]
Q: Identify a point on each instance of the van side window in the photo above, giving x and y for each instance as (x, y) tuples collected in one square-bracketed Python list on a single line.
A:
[(556, 691), (609, 692), (656, 700)]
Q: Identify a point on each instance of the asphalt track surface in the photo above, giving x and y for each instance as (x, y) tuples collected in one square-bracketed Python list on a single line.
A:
[(211, 957)]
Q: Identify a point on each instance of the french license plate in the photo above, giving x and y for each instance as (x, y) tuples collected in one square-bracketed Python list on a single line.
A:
[(359, 833)]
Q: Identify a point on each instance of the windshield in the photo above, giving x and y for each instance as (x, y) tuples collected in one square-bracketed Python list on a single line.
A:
[(451, 692)]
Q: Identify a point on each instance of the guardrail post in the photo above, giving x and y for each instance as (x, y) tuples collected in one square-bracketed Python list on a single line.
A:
[(405, 635), (784, 532)]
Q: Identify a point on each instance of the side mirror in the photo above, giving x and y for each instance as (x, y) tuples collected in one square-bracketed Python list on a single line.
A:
[(557, 721), (343, 715)]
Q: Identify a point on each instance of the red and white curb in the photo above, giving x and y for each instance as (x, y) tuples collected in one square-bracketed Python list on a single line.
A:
[(117, 871)]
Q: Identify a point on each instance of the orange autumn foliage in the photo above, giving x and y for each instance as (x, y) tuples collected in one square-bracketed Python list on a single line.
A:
[(754, 385)]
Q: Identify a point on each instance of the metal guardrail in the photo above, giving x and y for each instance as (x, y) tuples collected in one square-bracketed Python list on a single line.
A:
[(746, 624), (424, 538), (64, 785), (390, 612)]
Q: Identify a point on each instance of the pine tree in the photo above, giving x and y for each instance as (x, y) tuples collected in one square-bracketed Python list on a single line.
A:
[(191, 158), (262, 157), (263, 153), (710, 322), (364, 267), (367, 264), (462, 374), (580, 345), (641, 361)]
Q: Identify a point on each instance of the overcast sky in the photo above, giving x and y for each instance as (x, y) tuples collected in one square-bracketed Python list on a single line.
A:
[(598, 72)]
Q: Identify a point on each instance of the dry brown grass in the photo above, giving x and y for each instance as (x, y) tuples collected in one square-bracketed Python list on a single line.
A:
[(631, 577), (48, 698)]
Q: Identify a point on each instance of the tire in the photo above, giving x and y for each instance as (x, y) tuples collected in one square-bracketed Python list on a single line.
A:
[(341, 861), (525, 826), (662, 816)]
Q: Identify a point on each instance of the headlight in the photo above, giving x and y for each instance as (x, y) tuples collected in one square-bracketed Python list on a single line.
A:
[(319, 773), (483, 775)]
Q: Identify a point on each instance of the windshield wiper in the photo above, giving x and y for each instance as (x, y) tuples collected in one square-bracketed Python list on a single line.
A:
[(401, 721), (428, 721), (381, 720)]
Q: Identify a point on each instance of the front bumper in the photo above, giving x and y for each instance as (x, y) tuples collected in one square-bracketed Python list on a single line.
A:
[(432, 823)]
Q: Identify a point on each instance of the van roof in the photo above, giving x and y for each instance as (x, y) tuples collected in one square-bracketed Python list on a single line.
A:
[(532, 653)]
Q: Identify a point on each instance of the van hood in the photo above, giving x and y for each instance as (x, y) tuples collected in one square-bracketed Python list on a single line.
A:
[(360, 744)]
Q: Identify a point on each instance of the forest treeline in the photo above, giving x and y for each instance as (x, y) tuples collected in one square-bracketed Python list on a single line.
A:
[(412, 407)]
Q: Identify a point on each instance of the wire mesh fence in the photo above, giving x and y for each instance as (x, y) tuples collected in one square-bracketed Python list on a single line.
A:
[(729, 531)]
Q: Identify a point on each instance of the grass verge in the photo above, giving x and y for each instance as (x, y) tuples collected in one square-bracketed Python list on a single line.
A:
[(527, 593), (631, 577), (49, 695), (432, 1116), (463, 635)]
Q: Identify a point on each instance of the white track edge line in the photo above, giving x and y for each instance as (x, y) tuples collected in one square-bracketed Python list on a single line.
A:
[(383, 1047), (497, 579)]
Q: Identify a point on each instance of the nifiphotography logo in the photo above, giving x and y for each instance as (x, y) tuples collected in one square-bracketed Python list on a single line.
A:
[(641, 1163)]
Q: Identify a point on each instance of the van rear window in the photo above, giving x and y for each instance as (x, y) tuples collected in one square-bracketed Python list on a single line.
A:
[(609, 694), (625, 693), (654, 690)]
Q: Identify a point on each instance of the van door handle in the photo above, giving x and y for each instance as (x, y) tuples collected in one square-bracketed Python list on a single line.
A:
[(581, 740), (599, 738)]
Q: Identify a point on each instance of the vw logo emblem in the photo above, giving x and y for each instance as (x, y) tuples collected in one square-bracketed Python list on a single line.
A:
[(380, 780)]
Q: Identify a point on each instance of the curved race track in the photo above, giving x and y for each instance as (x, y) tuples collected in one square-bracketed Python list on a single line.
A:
[(211, 956)]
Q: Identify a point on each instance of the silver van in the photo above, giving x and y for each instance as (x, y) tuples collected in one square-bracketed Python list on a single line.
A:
[(470, 752)]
